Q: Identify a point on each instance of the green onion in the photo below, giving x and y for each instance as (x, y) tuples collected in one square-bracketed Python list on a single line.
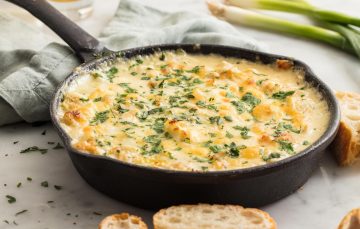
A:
[(337, 22), (257, 20), (299, 7)]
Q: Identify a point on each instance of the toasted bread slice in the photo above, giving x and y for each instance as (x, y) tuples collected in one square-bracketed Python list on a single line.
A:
[(122, 221), (351, 220), (206, 216), (346, 145)]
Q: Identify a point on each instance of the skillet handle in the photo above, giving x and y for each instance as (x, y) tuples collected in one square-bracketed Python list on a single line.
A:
[(84, 45)]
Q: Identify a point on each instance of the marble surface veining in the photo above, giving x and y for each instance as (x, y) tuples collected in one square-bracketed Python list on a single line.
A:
[(321, 203)]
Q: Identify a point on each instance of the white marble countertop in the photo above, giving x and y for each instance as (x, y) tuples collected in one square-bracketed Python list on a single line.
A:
[(321, 203)]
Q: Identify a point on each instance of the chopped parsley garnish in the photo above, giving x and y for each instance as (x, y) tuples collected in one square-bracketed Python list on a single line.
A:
[(162, 57), (139, 61), (197, 81), (145, 78), (305, 143), (228, 118), (154, 145), (195, 69), (215, 148), (285, 126), (259, 82), (120, 98), (271, 156), (10, 199), (121, 110), (250, 99), (155, 110), (215, 120), (286, 146), (84, 99), (239, 106), (111, 74), (244, 131), (189, 96), (128, 89), (281, 95), (158, 125), (229, 95), (207, 106), (133, 73), (202, 160), (153, 139), (229, 135), (95, 75), (233, 149), (34, 149), (98, 99), (100, 117)]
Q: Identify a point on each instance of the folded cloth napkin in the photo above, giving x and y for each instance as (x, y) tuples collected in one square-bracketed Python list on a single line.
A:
[(29, 75)]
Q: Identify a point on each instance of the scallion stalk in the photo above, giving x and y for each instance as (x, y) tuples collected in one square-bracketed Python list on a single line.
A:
[(328, 19), (297, 7), (261, 21)]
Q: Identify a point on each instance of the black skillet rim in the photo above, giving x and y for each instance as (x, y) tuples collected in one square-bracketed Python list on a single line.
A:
[(318, 145)]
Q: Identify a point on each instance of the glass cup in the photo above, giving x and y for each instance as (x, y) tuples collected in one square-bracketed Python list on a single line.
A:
[(74, 9)]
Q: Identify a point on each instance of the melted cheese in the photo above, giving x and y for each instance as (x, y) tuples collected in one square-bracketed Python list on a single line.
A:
[(193, 112)]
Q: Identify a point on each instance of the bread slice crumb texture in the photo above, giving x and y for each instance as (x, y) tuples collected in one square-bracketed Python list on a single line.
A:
[(205, 216), (346, 145), (122, 221), (351, 220)]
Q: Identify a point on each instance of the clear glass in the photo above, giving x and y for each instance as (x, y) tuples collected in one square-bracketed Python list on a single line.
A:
[(74, 9)]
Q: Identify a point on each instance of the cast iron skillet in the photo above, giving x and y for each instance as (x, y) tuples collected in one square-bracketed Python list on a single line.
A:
[(153, 188)]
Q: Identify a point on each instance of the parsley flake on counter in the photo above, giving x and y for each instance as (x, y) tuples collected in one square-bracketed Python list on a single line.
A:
[(45, 184), (34, 149), (20, 212), (10, 199), (58, 187)]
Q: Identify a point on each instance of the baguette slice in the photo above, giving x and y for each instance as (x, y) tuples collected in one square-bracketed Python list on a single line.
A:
[(351, 220), (346, 145), (206, 216), (122, 221)]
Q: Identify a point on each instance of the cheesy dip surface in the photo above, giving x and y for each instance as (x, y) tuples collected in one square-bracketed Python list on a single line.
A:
[(193, 112)]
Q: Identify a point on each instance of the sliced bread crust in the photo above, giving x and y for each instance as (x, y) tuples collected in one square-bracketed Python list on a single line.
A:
[(206, 216), (351, 220), (346, 145), (122, 221)]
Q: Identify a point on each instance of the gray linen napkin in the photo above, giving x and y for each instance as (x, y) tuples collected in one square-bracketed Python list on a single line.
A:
[(29, 75)]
